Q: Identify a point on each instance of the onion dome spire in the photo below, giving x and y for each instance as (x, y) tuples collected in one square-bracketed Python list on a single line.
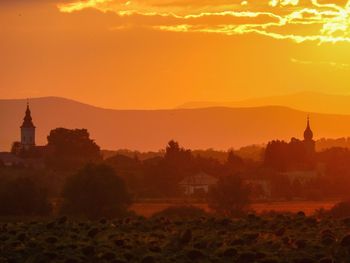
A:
[(308, 134)]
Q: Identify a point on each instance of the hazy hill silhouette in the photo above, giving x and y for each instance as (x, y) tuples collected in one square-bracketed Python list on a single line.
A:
[(218, 128), (305, 101)]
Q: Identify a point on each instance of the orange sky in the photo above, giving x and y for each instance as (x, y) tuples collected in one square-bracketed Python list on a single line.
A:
[(162, 53)]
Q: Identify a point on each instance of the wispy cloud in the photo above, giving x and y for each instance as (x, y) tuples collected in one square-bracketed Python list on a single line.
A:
[(333, 64), (296, 20)]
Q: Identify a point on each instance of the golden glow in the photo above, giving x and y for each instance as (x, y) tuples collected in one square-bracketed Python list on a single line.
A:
[(80, 5), (285, 19), (155, 54)]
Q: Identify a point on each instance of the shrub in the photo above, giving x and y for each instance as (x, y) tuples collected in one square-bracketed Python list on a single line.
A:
[(229, 197), (341, 209), (22, 196), (184, 211), (95, 191)]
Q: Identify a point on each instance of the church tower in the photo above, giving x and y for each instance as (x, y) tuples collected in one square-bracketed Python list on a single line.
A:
[(308, 139), (27, 130)]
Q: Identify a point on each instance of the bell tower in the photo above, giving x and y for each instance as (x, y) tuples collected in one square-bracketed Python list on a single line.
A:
[(27, 130), (309, 142)]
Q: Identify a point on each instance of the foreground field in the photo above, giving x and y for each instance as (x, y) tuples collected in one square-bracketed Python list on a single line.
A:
[(148, 209), (280, 238)]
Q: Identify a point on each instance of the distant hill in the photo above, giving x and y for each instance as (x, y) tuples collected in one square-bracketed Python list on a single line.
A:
[(219, 128), (304, 101)]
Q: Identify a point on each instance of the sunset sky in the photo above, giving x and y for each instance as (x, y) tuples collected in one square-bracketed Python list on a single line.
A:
[(161, 53)]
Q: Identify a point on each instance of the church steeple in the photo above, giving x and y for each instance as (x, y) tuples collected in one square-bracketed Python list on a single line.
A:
[(28, 129), (308, 134), (28, 121)]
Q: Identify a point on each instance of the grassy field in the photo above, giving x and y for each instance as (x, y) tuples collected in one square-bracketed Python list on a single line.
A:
[(147, 209), (280, 238)]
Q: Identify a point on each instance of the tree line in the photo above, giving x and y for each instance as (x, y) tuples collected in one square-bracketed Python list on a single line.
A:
[(88, 185)]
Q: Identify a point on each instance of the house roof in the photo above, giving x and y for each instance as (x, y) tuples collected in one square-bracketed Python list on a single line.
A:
[(302, 176), (199, 179)]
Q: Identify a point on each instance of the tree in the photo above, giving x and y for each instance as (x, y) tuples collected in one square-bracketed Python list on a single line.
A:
[(283, 156), (16, 148), (69, 149), (177, 164), (95, 191), (130, 169), (229, 197), (234, 163), (175, 155), (21, 196)]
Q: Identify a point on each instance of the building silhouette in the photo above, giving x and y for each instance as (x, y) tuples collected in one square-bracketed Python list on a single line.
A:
[(27, 131), (25, 152), (309, 142)]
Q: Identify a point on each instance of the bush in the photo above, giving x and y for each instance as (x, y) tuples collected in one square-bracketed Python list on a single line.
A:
[(339, 210), (184, 211), (22, 196), (229, 197), (95, 191)]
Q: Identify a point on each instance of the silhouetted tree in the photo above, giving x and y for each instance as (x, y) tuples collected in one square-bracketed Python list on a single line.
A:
[(336, 164), (234, 163), (130, 169), (22, 196), (208, 165), (16, 148), (170, 170), (95, 191), (276, 155), (230, 197), (174, 154), (281, 187), (69, 149), (283, 156)]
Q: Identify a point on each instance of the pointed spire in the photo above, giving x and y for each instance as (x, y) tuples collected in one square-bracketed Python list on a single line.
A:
[(28, 121), (308, 134)]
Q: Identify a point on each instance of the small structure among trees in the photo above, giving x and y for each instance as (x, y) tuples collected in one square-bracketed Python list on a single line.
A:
[(199, 183)]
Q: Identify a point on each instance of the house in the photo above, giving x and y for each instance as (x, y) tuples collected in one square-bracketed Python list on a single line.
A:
[(9, 159), (199, 183), (302, 177)]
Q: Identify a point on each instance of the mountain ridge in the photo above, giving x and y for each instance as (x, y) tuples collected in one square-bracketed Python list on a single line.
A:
[(215, 127), (308, 101)]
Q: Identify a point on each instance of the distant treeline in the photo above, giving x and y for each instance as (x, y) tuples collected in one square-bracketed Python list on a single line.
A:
[(324, 143), (252, 152), (77, 171)]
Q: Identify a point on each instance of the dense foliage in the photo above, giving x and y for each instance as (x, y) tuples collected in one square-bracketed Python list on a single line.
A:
[(339, 210), (159, 177), (283, 156), (95, 191), (71, 149), (23, 196), (229, 197), (273, 239)]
